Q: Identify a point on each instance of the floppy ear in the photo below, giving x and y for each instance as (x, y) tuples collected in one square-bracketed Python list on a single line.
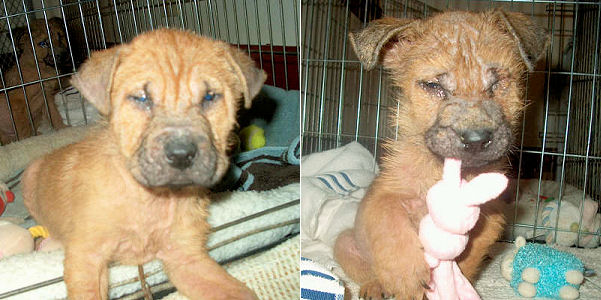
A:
[(531, 38), (18, 34), (95, 77), (251, 78), (56, 21), (370, 41)]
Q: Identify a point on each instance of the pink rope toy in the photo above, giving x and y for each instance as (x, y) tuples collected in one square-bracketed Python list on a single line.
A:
[(453, 206)]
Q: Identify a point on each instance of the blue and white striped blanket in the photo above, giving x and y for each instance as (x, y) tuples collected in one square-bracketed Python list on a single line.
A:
[(319, 284)]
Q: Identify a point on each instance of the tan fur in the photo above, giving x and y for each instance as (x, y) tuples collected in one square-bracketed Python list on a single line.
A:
[(88, 194), (34, 93), (382, 252)]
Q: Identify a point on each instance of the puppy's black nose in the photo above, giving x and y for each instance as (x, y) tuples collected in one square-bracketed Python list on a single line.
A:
[(180, 153), (476, 140)]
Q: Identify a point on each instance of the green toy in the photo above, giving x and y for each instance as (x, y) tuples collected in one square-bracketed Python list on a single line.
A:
[(252, 137)]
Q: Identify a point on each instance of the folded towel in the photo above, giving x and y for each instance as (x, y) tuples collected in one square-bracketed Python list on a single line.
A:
[(72, 106), (333, 183)]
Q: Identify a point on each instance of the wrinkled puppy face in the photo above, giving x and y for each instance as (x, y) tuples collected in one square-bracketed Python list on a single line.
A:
[(461, 77), (50, 43), (172, 102)]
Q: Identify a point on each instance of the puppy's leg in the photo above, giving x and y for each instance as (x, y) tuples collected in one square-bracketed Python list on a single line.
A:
[(55, 117), (397, 256), (4, 139), (347, 254), (22, 124), (86, 273), (486, 232), (197, 276)]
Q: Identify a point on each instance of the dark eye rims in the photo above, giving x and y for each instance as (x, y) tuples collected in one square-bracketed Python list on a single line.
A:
[(142, 98), (434, 88), (210, 96)]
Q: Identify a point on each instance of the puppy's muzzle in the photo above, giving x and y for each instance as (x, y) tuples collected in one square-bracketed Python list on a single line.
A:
[(474, 131), (176, 156), (476, 140), (180, 152), (60, 59)]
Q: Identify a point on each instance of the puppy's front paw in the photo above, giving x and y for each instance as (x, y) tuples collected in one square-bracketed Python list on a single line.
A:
[(373, 290), (415, 285)]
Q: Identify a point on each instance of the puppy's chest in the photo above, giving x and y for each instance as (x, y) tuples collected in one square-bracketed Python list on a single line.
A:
[(145, 231)]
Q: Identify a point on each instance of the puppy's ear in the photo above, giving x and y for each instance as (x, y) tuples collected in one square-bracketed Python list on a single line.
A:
[(531, 38), (18, 34), (371, 41), (95, 77), (56, 21), (251, 78)]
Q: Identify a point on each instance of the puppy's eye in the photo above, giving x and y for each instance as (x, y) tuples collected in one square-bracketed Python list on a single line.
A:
[(492, 88), (44, 44), (209, 98), (434, 88), (142, 99)]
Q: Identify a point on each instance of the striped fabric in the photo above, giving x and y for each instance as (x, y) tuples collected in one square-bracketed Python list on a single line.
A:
[(338, 182), (319, 284)]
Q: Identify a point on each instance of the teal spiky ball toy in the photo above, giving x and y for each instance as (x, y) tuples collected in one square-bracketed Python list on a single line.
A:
[(535, 270)]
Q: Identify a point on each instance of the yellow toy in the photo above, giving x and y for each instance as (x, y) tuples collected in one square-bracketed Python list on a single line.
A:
[(252, 137), (15, 239), (38, 231)]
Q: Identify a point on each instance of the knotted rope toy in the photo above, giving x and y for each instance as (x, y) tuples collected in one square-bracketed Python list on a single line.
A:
[(453, 206)]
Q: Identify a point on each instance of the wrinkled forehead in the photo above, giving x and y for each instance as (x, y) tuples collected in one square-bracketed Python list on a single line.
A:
[(468, 49), (171, 69), (38, 28), (176, 55)]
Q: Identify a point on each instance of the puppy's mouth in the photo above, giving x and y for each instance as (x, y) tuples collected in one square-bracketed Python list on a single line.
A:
[(475, 133), (474, 147), (176, 160), (61, 62)]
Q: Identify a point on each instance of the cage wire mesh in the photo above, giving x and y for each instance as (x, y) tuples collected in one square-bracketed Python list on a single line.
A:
[(266, 29), (560, 140)]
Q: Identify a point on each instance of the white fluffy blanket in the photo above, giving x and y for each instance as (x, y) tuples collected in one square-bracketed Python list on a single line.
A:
[(25, 270)]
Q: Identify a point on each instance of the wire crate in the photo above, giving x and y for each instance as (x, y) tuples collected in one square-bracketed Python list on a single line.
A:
[(94, 25), (560, 139)]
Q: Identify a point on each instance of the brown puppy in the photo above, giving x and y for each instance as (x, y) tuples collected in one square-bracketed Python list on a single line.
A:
[(38, 101), (460, 74), (137, 188)]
